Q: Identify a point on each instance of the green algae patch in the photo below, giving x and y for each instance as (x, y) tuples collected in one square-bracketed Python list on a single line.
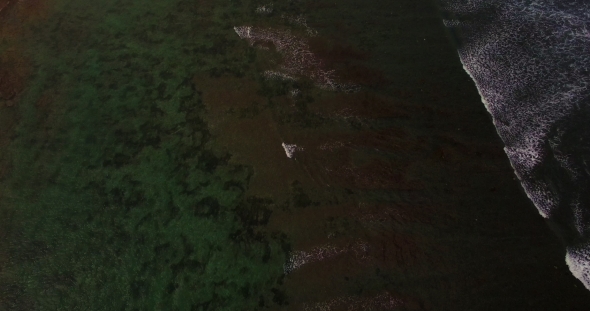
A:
[(121, 203)]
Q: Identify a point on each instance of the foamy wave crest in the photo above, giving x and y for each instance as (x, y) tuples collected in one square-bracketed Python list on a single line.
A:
[(300, 258), (290, 149), (578, 260), (298, 58), (530, 63)]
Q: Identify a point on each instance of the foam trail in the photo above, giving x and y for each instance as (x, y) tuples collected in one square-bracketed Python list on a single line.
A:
[(530, 63), (325, 252), (299, 60), (384, 301)]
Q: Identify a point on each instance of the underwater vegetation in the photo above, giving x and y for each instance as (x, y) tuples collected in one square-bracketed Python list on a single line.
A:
[(121, 202), (249, 155)]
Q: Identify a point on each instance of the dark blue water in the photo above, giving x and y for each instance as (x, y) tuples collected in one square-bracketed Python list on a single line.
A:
[(529, 60)]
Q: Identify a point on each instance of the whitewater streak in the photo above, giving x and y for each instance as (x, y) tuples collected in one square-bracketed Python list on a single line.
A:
[(530, 63)]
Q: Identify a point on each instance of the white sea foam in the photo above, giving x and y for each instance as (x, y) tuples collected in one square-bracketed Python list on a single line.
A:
[(450, 22), (295, 93), (298, 60), (243, 31), (578, 261), (301, 258), (290, 149), (298, 259), (581, 217), (264, 9), (530, 63), (277, 75), (301, 21), (384, 301)]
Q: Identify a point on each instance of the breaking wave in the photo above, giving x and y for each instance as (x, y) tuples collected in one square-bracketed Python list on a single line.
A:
[(530, 63)]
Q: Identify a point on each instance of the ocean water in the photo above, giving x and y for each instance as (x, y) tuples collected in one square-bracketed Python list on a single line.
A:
[(286, 155), (529, 61)]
